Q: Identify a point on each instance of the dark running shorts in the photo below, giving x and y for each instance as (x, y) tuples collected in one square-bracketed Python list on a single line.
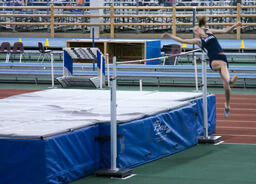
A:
[(219, 57)]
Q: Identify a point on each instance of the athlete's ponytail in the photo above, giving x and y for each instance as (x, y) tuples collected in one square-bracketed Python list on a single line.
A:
[(202, 21)]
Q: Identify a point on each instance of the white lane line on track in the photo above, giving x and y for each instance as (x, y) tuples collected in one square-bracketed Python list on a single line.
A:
[(218, 143)]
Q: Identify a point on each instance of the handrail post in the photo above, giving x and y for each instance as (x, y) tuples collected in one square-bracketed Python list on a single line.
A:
[(174, 19), (52, 20), (238, 19), (112, 21)]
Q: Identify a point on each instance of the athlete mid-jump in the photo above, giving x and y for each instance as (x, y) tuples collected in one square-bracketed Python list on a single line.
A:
[(206, 40)]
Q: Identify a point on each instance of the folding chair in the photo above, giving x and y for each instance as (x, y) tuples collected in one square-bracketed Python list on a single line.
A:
[(43, 52), (18, 49), (6, 46)]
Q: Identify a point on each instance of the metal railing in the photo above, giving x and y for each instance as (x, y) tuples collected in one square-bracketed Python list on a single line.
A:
[(113, 18)]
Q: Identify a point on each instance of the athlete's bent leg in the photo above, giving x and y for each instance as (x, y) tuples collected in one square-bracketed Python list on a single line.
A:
[(224, 73)]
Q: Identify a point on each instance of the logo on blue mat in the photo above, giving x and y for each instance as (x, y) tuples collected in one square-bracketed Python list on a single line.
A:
[(160, 128)]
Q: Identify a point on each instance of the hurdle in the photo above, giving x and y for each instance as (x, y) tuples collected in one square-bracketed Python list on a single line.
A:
[(125, 172), (70, 54)]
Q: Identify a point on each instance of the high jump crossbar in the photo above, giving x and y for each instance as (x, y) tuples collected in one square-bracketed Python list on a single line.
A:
[(161, 58), (166, 57)]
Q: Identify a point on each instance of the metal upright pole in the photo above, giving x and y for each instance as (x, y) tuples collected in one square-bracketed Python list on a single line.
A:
[(93, 45), (206, 138), (52, 70), (204, 80), (114, 171), (113, 131), (194, 23), (196, 76), (101, 71), (107, 60)]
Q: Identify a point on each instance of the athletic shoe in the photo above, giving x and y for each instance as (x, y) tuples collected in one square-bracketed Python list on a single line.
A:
[(233, 81), (226, 112)]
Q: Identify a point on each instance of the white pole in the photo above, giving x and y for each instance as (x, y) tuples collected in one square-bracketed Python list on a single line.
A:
[(204, 80), (52, 70), (164, 61), (101, 70), (20, 57), (140, 84), (113, 131), (7, 58), (107, 59), (196, 77)]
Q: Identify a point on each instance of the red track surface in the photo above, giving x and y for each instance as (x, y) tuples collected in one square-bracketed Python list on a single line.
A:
[(10, 92), (240, 127)]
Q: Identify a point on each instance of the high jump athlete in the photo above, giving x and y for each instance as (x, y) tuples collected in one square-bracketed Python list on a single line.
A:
[(206, 40)]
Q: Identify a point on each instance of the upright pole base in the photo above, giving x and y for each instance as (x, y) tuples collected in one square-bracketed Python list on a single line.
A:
[(117, 173), (209, 139)]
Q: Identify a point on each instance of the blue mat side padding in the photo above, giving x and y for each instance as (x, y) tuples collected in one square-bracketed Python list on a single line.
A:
[(153, 137), (211, 101), (59, 159), (73, 155), (22, 161)]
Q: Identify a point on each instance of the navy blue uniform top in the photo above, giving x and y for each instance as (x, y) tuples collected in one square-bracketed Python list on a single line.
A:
[(211, 44)]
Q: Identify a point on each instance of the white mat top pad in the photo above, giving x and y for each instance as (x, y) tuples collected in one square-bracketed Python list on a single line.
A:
[(54, 111)]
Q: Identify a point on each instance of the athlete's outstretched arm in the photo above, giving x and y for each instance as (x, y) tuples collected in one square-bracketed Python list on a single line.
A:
[(178, 39), (225, 30)]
